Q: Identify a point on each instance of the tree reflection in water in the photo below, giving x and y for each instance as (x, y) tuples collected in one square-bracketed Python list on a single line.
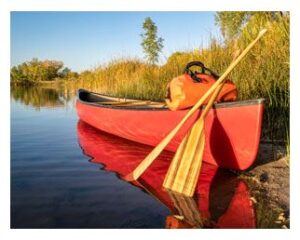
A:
[(41, 96)]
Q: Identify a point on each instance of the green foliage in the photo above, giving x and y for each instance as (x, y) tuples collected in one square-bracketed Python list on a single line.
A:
[(151, 44), (67, 74), (35, 71), (233, 23), (230, 22)]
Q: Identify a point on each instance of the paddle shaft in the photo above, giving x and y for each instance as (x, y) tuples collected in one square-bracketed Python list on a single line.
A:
[(211, 100), (158, 149)]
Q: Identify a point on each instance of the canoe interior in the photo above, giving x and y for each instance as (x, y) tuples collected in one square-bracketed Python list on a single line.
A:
[(101, 100), (97, 99)]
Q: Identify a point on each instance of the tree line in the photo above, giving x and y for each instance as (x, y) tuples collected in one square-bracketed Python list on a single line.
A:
[(35, 71)]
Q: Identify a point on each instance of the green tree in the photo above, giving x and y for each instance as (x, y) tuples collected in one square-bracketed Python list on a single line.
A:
[(65, 72), (34, 71), (151, 44), (233, 23)]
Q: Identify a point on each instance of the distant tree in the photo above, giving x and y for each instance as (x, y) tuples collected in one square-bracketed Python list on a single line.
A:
[(51, 69), (15, 74), (151, 44), (67, 74), (64, 73), (232, 23), (34, 71)]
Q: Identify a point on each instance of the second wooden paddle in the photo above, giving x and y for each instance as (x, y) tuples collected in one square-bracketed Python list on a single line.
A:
[(183, 173)]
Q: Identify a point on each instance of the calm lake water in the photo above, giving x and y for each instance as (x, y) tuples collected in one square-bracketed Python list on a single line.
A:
[(65, 174)]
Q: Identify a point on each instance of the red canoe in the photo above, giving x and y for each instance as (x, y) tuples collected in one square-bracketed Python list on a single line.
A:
[(232, 130), (221, 200)]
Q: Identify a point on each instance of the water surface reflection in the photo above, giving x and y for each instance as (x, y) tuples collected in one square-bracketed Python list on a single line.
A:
[(221, 200), (39, 97)]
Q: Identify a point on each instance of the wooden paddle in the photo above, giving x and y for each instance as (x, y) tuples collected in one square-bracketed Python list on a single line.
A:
[(183, 173), (158, 149)]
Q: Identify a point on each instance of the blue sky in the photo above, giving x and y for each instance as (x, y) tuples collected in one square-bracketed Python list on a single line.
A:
[(83, 40)]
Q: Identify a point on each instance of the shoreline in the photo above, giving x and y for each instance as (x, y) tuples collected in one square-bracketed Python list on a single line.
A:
[(268, 181)]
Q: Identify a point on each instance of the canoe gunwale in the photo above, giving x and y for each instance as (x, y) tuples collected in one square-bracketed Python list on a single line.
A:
[(81, 92)]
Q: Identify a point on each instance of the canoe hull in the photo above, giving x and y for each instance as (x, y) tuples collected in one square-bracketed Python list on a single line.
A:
[(232, 134)]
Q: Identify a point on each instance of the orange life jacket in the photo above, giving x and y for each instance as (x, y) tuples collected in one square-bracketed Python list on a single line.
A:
[(184, 91)]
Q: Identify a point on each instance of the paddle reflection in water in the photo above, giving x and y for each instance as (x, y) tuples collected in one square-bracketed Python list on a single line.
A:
[(221, 199)]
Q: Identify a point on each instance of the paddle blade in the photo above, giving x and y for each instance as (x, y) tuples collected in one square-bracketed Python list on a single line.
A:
[(187, 208), (173, 168), (183, 173)]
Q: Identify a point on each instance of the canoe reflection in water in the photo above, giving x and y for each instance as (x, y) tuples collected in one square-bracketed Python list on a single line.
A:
[(221, 199)]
